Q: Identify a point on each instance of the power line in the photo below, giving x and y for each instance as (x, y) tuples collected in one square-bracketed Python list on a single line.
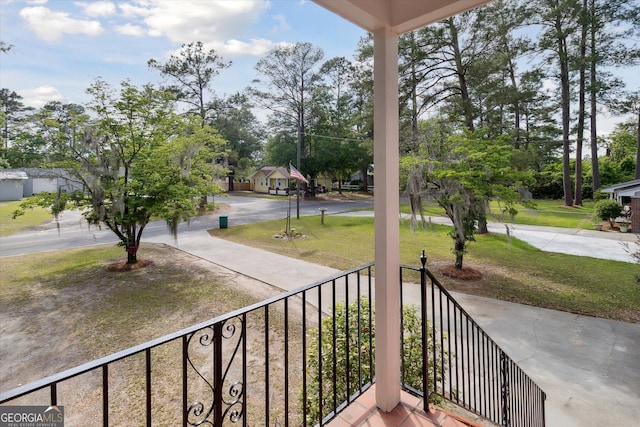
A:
[(336, 137)]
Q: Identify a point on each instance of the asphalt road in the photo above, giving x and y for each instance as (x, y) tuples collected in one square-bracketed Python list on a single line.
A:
[(72, 231)]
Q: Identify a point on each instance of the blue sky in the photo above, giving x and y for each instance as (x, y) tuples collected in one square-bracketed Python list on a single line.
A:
[(62, 46)]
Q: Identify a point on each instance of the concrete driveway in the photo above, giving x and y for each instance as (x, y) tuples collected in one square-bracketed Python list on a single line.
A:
[(588, 367)]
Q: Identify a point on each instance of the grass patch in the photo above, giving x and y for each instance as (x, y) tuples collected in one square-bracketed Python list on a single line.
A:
[(550, 213), (31, 218), (87, 311), (37, 216), (113, 301), (512, 269), (59, 269)]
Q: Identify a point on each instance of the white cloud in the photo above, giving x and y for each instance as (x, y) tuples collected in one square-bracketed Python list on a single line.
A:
[(129, 10), (233, 47), (98, 8), (37, 97), (224, 25), (219, 24), (130, 30), (282, 24), (51, 26)]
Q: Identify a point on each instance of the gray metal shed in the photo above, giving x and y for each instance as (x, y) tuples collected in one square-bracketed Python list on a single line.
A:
[(11, 183)]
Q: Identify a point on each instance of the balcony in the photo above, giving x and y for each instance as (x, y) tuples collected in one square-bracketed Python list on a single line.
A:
[(301, 358)]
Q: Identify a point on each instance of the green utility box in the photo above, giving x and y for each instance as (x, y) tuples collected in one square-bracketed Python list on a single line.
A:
[(224, 221)]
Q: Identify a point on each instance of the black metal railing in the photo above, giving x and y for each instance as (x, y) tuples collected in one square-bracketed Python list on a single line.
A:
[(284, 361), (466, 366)]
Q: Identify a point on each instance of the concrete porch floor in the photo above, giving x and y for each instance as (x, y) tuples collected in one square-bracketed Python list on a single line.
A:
[(409, 413)]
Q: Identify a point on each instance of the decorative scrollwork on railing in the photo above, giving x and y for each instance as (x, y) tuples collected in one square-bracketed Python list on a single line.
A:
[(199, 412), (222, 406), (234, 411), (506, 410), (228, 329), (196, 410)]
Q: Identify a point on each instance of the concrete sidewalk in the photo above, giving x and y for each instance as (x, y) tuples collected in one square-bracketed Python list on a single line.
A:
[(588, 367)]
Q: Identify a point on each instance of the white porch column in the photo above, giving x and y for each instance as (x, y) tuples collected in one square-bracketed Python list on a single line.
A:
[(387, 211)]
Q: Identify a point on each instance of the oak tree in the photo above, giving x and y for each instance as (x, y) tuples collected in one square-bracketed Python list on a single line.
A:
[(137, 160)]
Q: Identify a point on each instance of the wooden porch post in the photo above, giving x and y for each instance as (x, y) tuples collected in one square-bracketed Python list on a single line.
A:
[(387, 210)]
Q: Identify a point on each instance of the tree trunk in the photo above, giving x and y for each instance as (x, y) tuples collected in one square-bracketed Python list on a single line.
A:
[(595, 169), (459, 250), (482, 226), (563, 58), (132, 254), (312, 186), (516, 104), (578, 179), (230, 176), (462, 79), (365, 179), (582, 103), (638, 150), (482, 219), (414, 97)]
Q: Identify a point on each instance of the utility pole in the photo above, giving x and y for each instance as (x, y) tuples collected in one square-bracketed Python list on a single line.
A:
[(298, 148)]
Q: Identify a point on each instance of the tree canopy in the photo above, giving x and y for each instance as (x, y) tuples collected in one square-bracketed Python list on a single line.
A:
[(136, 160), (462, 173)]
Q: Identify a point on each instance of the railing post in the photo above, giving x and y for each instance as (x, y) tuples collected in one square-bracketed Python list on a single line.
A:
[(217, 373), (504, 370), (425, 337)]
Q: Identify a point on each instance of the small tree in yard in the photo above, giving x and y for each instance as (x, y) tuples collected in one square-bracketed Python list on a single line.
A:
[(137, 161), (358, 371), (463, 174), (635, 253), (608, 210)]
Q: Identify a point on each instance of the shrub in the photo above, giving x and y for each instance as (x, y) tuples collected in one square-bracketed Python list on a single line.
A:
[(358, 371), (599, 195), (608, 210), (548, 185), (412, 351)]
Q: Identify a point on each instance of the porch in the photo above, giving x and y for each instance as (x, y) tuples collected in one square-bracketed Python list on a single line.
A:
[(409, 413), (302, 358)]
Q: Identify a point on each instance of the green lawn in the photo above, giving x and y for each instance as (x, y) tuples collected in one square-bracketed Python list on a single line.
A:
[(512, 270), (32, 218), (549, 213)]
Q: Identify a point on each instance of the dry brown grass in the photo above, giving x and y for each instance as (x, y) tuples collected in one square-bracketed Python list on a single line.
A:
[(465, 273)]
